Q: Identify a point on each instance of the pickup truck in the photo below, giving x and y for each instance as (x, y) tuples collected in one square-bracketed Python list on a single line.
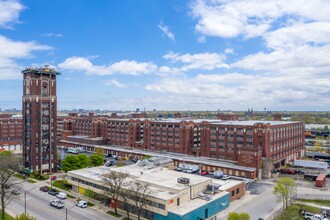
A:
[(57, 203)]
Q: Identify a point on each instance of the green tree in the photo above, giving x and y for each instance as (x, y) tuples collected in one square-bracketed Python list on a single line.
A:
[(284, 189), (238, 216), (84, 161), (71, 162), (96, 160)]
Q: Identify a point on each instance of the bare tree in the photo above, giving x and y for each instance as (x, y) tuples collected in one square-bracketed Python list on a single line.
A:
[(8, 165), (126, 198), (114, 183), (139, 194)]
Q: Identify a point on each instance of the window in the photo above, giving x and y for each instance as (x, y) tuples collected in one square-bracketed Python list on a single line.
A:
[(237, 191), (178, 202), (232, 193)]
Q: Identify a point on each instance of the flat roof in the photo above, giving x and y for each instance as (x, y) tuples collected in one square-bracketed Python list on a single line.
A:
[(163, 182), (196, 203), (251, 123)]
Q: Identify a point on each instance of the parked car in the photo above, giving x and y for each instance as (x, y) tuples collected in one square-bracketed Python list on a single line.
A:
[(298, 171), (57, 203), (61, 195), (16, 191), (44, 189), (109, 163), (81, 204), (108, 155), (53, 192), (287, 171), (134, 160), (115, 157), (204, 172)]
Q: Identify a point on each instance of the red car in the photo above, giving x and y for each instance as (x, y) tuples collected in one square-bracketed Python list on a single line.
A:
[(44, 189), (287, 171), (204, 172)]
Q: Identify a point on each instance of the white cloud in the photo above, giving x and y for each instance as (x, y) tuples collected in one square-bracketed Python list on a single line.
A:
[(208, 61), (254, 17), (239, 91), (10, 51), (121, 67), (52, 35), (10, 10), (114, 82), (166, 31), (298, 34), (229, 51)]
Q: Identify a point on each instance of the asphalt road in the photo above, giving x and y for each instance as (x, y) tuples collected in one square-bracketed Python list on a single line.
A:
[(37, 204)]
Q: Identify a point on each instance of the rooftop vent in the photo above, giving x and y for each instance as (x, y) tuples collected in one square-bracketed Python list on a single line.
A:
[(183, 180)]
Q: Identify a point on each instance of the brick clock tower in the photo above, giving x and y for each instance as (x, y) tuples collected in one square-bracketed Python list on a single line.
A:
[(39, 119)]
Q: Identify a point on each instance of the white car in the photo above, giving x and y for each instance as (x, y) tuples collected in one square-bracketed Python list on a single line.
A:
[(61, 195), (82, 204), (57, 203)]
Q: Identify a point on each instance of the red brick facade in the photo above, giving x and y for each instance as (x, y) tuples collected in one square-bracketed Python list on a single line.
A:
[(245, 143), (39, 119), (10, 133)]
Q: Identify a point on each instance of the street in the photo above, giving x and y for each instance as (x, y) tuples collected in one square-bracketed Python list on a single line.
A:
[(37, 204)]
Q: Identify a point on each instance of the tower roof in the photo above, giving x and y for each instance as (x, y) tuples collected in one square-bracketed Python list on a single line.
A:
[(41, 70)]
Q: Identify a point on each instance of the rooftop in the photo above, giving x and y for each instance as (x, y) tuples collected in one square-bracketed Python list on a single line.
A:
[(41, 70)]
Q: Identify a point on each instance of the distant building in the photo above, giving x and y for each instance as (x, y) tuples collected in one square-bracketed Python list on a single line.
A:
[(10, 133), (39, 119)]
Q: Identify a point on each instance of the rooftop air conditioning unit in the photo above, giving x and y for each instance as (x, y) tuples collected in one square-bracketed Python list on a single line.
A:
[(183, 180)]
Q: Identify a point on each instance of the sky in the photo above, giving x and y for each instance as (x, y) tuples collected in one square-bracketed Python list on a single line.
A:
[(171, 55)]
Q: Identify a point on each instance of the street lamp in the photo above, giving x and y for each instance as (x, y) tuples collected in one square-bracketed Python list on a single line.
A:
[(25, 193), (67, 210)]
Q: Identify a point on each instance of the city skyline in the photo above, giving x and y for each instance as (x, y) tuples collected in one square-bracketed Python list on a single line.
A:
[(171, 55)]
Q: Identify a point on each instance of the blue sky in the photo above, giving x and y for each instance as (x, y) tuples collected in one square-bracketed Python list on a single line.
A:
[(171, 55)]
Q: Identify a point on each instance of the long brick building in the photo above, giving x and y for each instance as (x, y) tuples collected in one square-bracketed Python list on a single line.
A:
[(262, 145), (242, 148), (10, 133)]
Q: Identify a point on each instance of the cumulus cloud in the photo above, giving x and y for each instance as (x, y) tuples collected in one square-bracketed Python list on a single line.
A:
[(114, 82), (253, 18), (10, 10), (122, 67), (166, 31), (10, 51), (208, 61)]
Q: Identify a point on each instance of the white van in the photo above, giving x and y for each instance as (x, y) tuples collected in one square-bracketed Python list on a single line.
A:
[(61, 195), (82, 204)]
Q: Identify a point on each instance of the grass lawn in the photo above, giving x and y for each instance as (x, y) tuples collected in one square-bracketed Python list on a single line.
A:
[(292, 212), (19, 176), (31, 181), (113, 214), (90, 204), (71, 197), (318, 202), (62, 184), (7, 217)]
